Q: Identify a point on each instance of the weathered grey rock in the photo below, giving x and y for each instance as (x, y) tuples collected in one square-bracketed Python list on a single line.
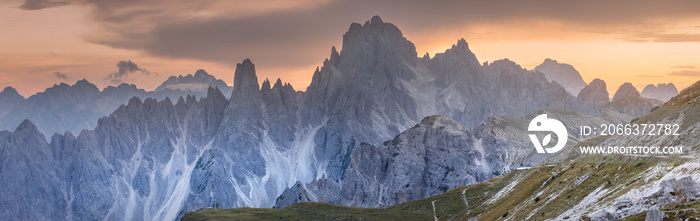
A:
[(317, 191), (9, 99), (281, 105), (593, 97), (603, 216), (655, 215), (565, 74), (686, 189), (9, 96), (625, 90), (434, 156), (662, 91)]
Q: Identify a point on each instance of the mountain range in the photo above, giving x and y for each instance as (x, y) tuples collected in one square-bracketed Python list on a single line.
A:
[(367, 121), (567, 186), (77, 107)]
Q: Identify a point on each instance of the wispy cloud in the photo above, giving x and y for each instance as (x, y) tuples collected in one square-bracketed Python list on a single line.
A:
[(274, 32), (124, 69), (665, 38), (60, 75), (686, 73), (684, 67), (42, 4)]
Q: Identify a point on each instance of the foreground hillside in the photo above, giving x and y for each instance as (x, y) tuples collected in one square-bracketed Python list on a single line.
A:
[(544, 192)]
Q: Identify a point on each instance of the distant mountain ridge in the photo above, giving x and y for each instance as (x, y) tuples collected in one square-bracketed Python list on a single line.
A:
[(662, 91), (564, 74), (199, 82), (79, 106)]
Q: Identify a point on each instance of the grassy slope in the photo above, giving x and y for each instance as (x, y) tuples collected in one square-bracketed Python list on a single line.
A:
[(529, 198), (448, 205), (675, 211)]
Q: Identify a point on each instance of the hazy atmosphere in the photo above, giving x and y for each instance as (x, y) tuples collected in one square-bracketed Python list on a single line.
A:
[(349, 110), (143, 42)]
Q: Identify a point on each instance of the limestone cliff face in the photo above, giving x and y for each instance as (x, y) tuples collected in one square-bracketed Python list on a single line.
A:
[(625, 90), (434, 156), (593, 96)]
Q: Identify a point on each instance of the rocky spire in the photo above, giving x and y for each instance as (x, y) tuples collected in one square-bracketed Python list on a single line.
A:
[(10, 94), (626, 90), (200, 74), (245, 100), (375, 41), (245, 82), (265, 85), (593, 96), (335, 56), (26, 125)]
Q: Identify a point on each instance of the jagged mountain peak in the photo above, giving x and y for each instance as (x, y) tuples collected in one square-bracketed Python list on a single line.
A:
[(597, 82), (506, 64), (245, 81), (82, 83), (626, 90), (278, 83), (459, 51), (594, 94), (550, 61), (135, 101), (125, 85), (265, 85), (335, 56), (10, 93), (377, 38), (27, 125), (376, 20), (85, 85), (123, 88), (201, 73), (81, 88), (565, 74), (9, 89), (461, 43), (199, 82), (214, 92)]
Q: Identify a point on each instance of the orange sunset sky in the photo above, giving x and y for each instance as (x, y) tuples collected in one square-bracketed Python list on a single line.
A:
[(44, 42)]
